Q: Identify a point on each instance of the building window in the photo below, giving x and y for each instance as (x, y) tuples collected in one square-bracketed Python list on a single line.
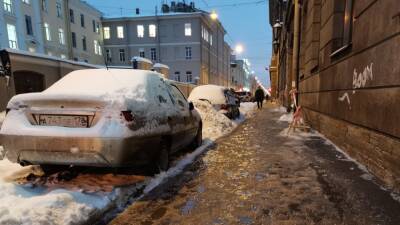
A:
[(153, 54), (152, 30), (47, 31), (108, 55), (12, 36), (188, 29), (141, 53), (28, 23), (140, 31), (122, 55), (59, 9), (26, 1), (120, 32), (73, 35), (97, 28), (44, 5), (49, 53), (32, 49), (189, 77), (8, 6), (82, 20), (97, 48), (84, 47), (188, 52), (106, 31), (211, 39), (61, 37), (344, 41), (178, 76), (63, 56), (71, 16), (94, 25)]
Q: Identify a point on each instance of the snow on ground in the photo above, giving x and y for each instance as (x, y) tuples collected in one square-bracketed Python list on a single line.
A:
[(25, 205), (299, 136), (286, 117)]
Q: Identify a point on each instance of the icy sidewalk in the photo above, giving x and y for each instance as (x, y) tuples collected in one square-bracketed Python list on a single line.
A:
[(24, 204), (255, 175)]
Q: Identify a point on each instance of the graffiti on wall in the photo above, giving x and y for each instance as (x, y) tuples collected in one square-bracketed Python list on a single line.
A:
[(360, 80)]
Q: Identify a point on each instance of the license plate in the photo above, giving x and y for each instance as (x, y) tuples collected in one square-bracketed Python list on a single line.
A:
[(64, 121)]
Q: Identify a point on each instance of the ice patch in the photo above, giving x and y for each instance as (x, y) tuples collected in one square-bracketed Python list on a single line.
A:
[(279, 109)]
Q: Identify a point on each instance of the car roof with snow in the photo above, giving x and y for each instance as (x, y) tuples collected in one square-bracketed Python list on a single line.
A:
[(97, 84), (213, 93)]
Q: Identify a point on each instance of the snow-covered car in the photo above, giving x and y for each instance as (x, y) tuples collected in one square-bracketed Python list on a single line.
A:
[(222, 98), (101, 118), (244, 96)]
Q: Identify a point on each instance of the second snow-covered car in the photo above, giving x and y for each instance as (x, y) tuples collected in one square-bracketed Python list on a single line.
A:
[(102, 118), (221, 98)]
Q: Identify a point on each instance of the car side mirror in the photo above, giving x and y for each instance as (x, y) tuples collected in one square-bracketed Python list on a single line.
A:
[(191, 106)]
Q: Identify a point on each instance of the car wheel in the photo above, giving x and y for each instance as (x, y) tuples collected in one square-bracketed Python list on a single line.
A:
[(162, 162)]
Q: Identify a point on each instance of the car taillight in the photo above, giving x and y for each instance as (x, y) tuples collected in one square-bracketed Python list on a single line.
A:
[(128, 115), (224, 106)]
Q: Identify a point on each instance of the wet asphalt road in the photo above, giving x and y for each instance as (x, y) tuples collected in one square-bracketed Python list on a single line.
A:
[(257, 176)]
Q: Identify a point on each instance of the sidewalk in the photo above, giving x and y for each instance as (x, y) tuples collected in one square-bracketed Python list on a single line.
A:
[(256, 175)]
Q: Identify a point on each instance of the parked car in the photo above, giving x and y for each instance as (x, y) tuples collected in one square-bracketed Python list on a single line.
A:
[(101, 118), (222, 99), (244, 96)]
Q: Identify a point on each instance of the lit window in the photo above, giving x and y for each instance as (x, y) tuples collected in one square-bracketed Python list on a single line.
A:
[(120, 32), (188, 52), (26, 1), (32, 49), (153, 53), (63, 56), (49, 53), (211, 39), (122, 55), (8, 6), (61, 37), (140, 31), (59, 9), (106, 31), (47, 31), (152, 30), (141, 53), (12, 36), (97, 47), (188, 29)]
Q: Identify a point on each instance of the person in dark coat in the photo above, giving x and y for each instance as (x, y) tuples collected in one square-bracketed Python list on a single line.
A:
[(259, 96)]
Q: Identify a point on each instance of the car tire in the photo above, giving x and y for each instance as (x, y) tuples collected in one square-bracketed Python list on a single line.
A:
[(162, 161)]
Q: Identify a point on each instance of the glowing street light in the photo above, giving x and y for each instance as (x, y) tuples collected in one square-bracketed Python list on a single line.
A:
[(239, 49), (214, 15)]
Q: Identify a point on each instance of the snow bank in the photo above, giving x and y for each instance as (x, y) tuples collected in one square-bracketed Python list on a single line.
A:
[(2, 116), (27, 205)]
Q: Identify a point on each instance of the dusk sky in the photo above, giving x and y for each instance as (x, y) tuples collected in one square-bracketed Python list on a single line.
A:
[(246, 22)]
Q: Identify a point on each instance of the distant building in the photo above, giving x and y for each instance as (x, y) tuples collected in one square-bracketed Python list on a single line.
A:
[(241, 78), (65, 29), (182, 37)]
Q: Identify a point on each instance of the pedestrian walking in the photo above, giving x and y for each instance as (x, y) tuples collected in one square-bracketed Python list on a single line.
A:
[(259, 96)]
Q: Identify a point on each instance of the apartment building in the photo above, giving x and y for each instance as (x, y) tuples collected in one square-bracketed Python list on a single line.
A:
[(346, 70), (188, 41), (240, 77), (49, 27)]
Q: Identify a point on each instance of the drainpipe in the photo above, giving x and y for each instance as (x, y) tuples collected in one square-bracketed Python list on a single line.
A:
[(296, 44)]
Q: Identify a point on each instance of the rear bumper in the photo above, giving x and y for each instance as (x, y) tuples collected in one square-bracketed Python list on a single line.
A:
[(80, 151)]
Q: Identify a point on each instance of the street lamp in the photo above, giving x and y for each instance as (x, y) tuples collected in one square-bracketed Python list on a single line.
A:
[(277, 30), (239, 49), (214, 15)]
